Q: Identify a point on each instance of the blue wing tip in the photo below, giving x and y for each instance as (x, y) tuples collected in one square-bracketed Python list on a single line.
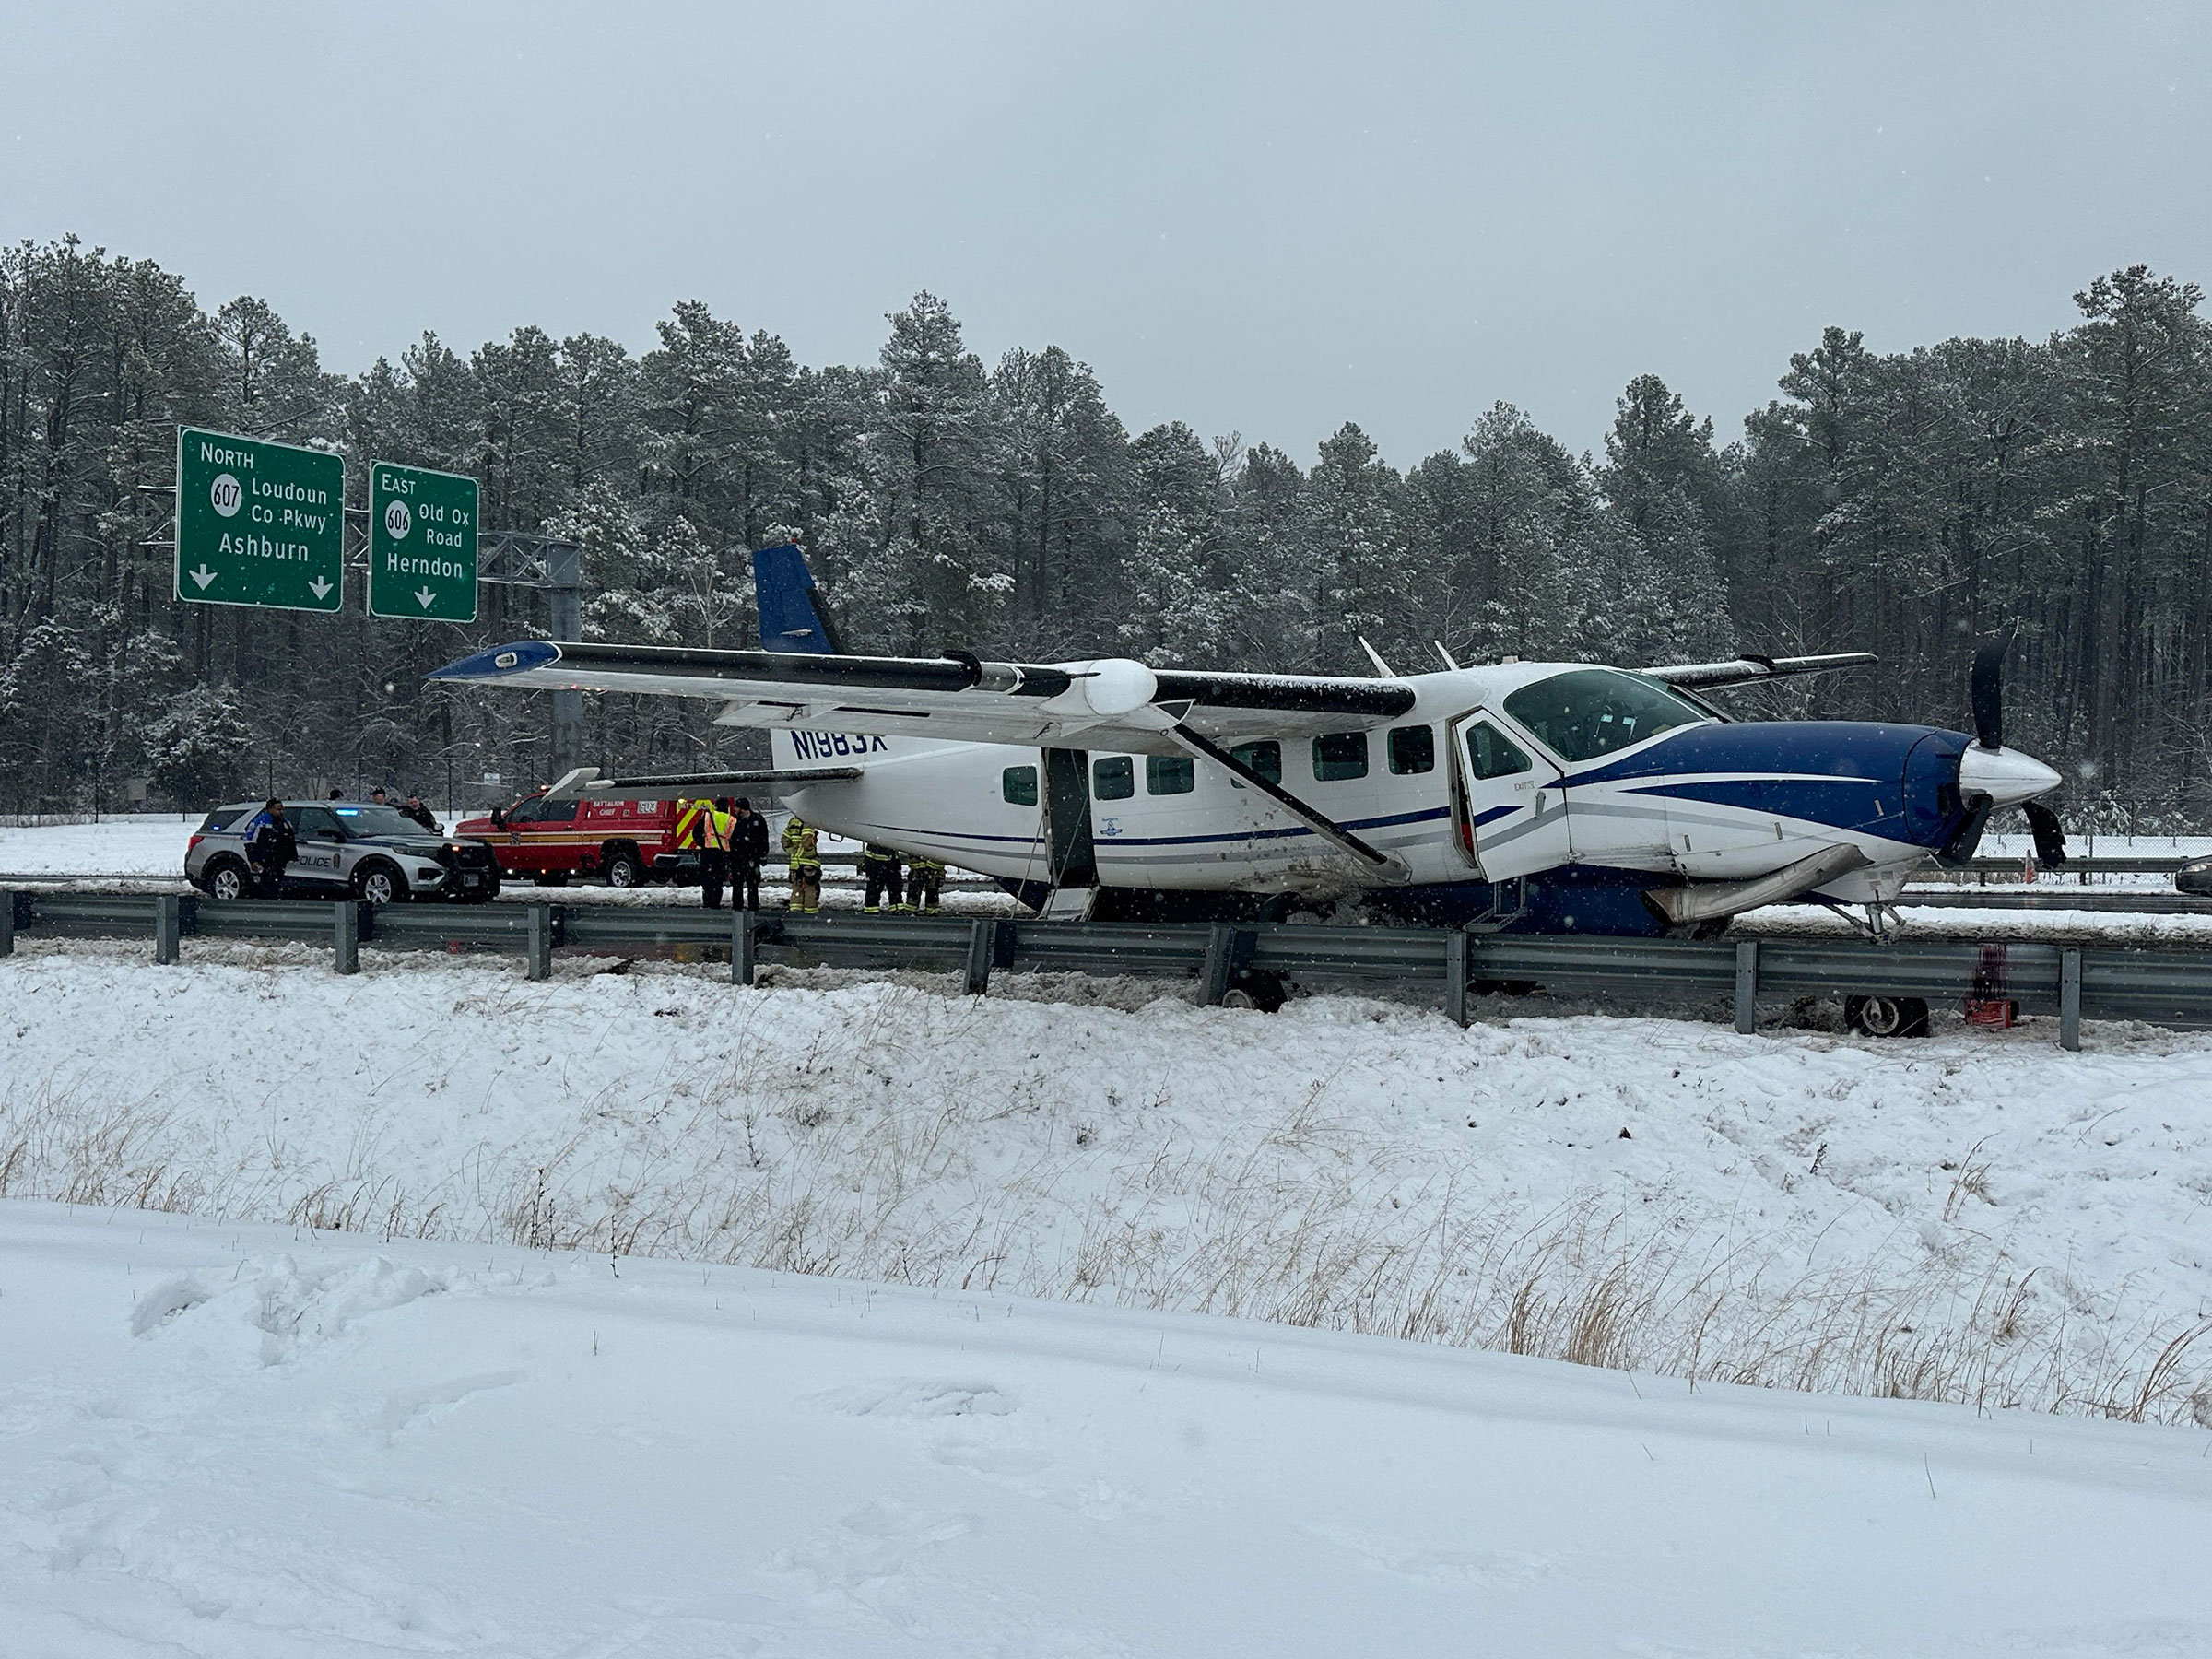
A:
[(499, 661)]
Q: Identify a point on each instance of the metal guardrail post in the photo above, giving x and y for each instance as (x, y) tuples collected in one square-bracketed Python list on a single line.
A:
[(744, 926), (1455, 979), (1227, 948), (982, 952), (345, 935), (540, 942), (2069, 1001), (7, 922), (168, 922), (1746, 986)]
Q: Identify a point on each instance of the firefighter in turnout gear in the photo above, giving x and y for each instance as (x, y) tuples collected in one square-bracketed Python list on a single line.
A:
[(880, 866), (925, 884), (690, 835), (802, 852)]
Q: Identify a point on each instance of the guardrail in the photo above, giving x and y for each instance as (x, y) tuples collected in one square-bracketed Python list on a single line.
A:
[(2081, 868), (2168, 987)]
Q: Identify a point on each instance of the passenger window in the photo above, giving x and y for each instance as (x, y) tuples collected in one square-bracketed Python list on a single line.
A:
[(1265, 757), (1492, 754), (1338, 755), (1113, 779), (313, 821), (1412, 749), (1169, 774), (1018, 785)]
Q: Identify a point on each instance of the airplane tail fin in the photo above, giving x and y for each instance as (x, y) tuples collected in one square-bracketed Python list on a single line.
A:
[(793, 617)]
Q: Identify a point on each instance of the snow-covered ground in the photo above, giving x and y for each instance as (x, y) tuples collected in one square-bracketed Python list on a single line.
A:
[(229, 1441), (1972, 1217)]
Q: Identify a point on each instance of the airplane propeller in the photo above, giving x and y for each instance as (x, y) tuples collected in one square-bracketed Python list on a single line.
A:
[(1986, 694)]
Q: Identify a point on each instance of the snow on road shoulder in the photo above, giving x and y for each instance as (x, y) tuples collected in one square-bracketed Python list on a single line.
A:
[(1976, 1215), (236, 1440)]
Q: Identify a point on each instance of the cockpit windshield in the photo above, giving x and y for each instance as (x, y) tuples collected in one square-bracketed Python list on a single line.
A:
[(1586, 713)]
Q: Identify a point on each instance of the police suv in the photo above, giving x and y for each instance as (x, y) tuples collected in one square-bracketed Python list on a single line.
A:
[(374, 853)]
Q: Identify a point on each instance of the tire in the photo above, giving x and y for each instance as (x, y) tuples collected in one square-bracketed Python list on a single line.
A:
[(623, 868), (1256, 989), (226, 878), (1887, 1017), (380, 883)]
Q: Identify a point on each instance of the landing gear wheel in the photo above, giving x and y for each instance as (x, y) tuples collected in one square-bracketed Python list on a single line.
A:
[(227, 878), (1255, 988), (379, 884), (1887, 1016), (625, 869)]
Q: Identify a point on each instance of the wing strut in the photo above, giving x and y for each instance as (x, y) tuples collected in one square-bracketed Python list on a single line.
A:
[(1322, 826)]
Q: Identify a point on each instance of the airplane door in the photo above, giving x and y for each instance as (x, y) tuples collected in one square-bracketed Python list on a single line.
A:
[(1508, 809)]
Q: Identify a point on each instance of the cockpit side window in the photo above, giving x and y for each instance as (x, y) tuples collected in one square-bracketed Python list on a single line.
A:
[(1492, 754), (1586, 713)]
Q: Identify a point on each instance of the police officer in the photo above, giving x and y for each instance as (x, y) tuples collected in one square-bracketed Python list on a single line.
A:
[(802, 852), (880, 866), (715, 827), (925, 884), (270, 845), (422, 814), (749, 851)]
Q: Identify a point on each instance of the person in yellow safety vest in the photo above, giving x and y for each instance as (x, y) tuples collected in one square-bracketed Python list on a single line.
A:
[(802, 852), (715, 825), (924, 883)]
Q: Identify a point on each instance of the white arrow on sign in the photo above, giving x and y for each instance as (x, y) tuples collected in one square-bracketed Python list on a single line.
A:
[(202, 575), (423, 596), (318, 587)]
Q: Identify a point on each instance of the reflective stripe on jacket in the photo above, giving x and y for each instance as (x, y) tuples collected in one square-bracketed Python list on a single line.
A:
[(801, 846), (688, 830)]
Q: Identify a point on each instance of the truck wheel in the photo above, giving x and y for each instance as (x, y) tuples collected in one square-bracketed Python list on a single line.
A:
[(624, 868), (227, 878), (379, 883), (1887, 1016)]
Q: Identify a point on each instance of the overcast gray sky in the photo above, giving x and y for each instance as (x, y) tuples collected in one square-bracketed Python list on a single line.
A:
[(1272, 217)]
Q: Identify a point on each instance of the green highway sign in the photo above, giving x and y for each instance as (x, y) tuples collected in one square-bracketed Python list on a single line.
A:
[(259, 524), (422, 543)]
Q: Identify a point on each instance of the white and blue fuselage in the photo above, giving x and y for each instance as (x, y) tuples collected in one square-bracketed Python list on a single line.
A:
[(1598, 783)]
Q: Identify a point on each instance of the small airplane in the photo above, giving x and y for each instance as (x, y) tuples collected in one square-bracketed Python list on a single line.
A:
[(1533, 796)]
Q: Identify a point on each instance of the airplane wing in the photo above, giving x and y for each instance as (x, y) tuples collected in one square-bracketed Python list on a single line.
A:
[(1111, 704), (1750, 670)]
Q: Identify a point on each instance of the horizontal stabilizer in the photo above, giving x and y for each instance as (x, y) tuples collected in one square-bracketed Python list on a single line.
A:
[(1751, 670)]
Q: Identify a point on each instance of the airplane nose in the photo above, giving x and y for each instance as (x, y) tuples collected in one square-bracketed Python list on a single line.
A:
[(2006, 776)]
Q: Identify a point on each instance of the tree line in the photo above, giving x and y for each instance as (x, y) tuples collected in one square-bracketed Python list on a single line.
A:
[(1907, 503)]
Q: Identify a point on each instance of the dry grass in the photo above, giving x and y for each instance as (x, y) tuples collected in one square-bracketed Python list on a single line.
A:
[(875, 1154)]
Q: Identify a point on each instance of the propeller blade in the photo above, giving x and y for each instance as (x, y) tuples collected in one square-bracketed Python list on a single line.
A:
[(1989, 692), (1967, 840), (2049, 837)]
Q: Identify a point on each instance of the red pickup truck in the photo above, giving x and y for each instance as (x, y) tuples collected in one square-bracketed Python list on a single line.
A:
[(626, 843)]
